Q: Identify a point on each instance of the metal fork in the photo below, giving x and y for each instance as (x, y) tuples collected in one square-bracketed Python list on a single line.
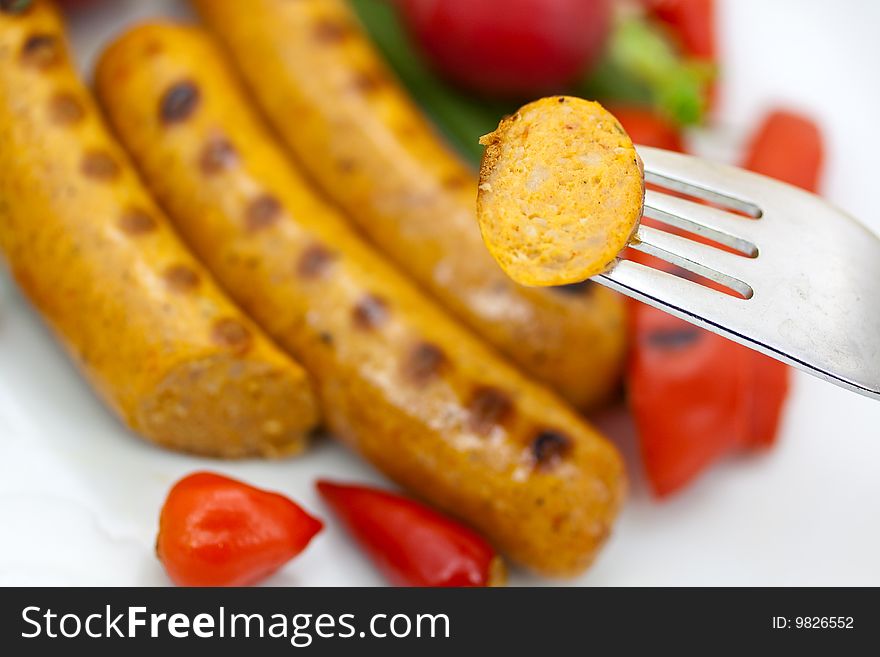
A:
[(807, 274)]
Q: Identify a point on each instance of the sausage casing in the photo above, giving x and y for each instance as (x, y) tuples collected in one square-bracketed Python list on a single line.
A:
[(332, 100), (399, 380), (160, 342)]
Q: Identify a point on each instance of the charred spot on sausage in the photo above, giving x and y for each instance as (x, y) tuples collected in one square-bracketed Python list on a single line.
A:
[(99, 165), (41, 51), (231, 334), (330, 32), (676, 337), (424, 362), (65, 109), (262, 212), (179, 102), (345, 165), (314, 261), (457, 181), (367, 82), (136, 221), (370, 312), (488, 407), (549, 447), (181, 278), (217, 155)]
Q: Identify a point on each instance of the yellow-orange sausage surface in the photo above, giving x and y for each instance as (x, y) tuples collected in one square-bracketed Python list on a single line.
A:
[(163, 346), (398, 379), (353, 129)]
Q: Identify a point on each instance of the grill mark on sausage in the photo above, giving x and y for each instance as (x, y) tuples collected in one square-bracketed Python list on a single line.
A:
[(370, 312), (457, 181), (488, 407), (152, 47), (677, 337), (41, 51), (315, 261), (230, 333), (217, 155), (99, 165), (424, 362), (65, 109), (549, 447), (262, 212), (346, 165), (179, 102), (368, 82), (181, 278), (330, 32), (136, 221)]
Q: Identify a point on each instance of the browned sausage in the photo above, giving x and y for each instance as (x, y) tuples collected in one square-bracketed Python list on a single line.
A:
[(335, 104), (145, 322), (399, 380)]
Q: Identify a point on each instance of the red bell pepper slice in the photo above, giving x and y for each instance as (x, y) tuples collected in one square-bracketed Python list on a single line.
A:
[(691, 21), (412, 544), (695, 395), (647, 128)]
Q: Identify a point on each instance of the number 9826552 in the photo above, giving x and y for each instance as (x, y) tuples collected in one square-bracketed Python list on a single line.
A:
[(823, 622)]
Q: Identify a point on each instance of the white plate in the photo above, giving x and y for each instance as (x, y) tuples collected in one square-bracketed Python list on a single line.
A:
[(79, 495)]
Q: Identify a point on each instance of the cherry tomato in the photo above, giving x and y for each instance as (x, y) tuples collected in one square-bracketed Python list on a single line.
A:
[(510, 47)]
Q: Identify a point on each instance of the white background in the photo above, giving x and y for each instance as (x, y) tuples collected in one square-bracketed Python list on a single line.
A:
[(79, 496)]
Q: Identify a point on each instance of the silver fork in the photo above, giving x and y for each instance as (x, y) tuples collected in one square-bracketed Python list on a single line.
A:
[(808, 274)]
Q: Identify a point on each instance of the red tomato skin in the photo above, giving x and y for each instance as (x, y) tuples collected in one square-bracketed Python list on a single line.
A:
[(217, 531), (412, 544), (510, 47)]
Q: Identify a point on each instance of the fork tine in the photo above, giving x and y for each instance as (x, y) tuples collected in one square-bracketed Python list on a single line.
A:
[(673, 294), (735, 232), (728, 269), (710, 181)]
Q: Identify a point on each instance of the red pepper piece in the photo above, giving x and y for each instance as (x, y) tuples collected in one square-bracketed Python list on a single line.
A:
[(696, 395), (647, 128), (691, 21), (412, 544), (217, 531), (686, 392), (692, 24), (788, 147)]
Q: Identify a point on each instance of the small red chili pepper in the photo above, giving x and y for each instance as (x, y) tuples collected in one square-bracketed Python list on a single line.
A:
[(412, 544), (217, 531)]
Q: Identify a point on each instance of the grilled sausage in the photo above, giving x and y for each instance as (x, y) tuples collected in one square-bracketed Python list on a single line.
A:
[(399, 380), (332, 100), (159, 341), (561, 191)]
